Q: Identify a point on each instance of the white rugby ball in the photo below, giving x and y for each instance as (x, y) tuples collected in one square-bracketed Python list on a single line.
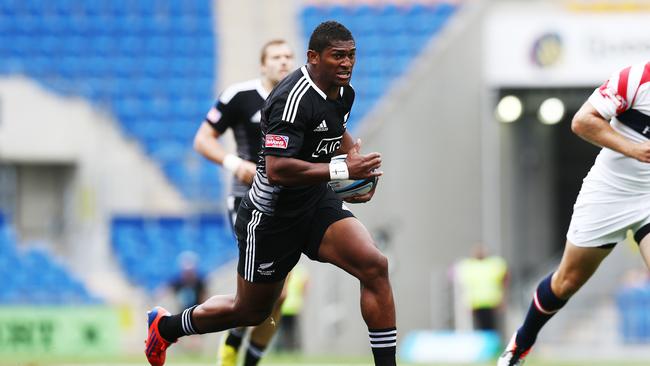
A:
[(351, 187)]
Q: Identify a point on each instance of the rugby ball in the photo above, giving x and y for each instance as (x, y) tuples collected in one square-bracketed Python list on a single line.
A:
[(351, 187)]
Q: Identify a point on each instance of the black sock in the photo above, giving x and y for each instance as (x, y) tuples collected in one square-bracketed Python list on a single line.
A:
[(235, 337), (175, 326), (253, 354), (383, 343), (544, 305)]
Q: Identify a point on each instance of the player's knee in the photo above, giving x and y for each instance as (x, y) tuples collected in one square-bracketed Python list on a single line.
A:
[(376, 268), (569, 284)]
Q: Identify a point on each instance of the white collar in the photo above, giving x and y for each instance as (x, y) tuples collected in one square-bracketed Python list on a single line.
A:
[(261, 90), (304, 72)]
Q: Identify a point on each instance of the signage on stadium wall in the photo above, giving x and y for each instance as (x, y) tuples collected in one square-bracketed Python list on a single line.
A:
[(548, 45), (33, 333)]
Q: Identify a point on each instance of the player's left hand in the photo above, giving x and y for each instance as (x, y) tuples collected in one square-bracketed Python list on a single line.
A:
[(362, 198), (246, 172)]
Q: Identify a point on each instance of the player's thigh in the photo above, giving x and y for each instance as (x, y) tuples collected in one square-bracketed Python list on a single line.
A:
[(348, 245), (257, 297), (603, 214), (329, 210), (642, 237), (579, 263), (269, 246)]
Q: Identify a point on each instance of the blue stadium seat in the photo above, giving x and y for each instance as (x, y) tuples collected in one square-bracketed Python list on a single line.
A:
[(114, 7), (149, 260), (27, 24), (34, 277), (362, 20)]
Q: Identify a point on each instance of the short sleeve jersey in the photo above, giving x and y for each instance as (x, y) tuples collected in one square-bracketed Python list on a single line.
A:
[(239, 108), (624, 99), (298, 121)]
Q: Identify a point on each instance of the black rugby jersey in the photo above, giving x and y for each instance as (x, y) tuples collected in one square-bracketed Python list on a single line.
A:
[(298, 121), (238, 107)]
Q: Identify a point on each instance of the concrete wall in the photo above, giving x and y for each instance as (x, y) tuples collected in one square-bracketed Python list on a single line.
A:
[(244, 26)]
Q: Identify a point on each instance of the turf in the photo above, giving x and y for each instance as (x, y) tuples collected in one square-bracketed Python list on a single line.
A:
[(289, 360)]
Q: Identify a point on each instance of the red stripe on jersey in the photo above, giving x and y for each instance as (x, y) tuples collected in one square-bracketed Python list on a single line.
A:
[(623, 78), (645, 78)]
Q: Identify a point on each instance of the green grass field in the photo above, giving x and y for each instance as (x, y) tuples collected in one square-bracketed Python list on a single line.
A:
[(277, 360)]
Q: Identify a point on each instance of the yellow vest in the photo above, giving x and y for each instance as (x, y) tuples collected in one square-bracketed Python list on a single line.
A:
[(482, 281), (295, 290)]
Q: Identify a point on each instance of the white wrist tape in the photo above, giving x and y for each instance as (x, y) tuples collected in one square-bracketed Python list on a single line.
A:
[(232, 162), (339, 170)]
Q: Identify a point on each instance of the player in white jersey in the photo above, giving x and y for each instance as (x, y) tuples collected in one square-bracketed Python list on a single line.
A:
[(238, 108), (615, 197)]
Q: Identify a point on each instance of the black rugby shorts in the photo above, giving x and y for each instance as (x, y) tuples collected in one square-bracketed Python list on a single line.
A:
[(270, 246)]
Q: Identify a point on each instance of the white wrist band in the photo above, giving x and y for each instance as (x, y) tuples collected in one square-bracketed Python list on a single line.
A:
[(232, 162), (339, 170)]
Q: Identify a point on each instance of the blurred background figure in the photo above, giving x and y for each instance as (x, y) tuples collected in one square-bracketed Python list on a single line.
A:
[(483, 281), (187, 287), (189, 284), (633, 301), (289, 331)]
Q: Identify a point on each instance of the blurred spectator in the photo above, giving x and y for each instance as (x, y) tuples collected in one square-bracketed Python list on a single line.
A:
[(483, 280), (189, 285), (633, 300), (289, 337)]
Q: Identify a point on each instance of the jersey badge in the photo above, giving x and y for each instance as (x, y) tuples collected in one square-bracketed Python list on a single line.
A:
[(276, 141), (265, 269), (619, 101)]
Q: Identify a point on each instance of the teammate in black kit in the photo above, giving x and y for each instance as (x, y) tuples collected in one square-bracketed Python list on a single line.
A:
[(290, 209), (239, 108)]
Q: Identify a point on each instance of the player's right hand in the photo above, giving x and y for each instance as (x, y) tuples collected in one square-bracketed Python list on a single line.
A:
[(246, 172), (641, 152), (362, 166)]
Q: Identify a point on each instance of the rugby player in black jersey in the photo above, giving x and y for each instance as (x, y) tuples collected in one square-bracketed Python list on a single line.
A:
[(290, 209), (239, 108)]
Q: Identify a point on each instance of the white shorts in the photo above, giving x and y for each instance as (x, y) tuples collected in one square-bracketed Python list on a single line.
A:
[(603, 214)]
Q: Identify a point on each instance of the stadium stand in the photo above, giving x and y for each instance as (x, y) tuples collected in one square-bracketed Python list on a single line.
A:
[(388, 37), (151, 63), (162, 239), (34, 276)]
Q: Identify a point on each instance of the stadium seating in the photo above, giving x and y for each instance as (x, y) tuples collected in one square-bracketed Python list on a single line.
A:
[(149, 62), (152, 63), (388, 37), (148, 249), (34, 276), (633, 303)]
